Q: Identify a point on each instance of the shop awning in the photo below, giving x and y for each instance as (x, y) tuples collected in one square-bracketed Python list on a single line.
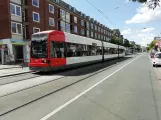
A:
[(19, 43)]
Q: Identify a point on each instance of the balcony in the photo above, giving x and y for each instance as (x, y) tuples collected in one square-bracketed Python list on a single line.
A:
[(24, 4), (24, 17)]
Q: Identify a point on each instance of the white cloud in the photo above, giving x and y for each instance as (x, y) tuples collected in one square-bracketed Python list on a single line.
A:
[(142, 38), (147, 30), (145, 15), (126, 31)]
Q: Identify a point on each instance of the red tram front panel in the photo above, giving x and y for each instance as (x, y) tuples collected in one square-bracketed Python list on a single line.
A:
[(56, 36), (41, 46), (38, 62)]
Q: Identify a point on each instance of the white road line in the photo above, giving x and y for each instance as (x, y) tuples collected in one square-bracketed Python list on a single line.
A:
[(84, 92)]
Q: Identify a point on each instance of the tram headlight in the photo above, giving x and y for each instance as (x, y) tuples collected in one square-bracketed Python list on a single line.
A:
[(45, 61)]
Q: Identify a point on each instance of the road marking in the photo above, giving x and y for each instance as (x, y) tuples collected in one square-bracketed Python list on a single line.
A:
[(84, 92)]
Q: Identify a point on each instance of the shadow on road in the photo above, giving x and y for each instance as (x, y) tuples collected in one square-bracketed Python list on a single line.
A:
[(86, 69)]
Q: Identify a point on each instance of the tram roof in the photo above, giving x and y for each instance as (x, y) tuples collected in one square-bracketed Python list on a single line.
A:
[(46, 32)]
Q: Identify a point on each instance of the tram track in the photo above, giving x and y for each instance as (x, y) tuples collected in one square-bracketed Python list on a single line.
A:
[(15, 74), (53, 86), (17, 77)]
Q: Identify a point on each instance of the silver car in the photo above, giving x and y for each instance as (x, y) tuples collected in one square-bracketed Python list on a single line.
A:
[(156, 59)]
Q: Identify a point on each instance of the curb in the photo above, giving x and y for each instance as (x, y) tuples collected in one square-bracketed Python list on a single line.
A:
[(1, 76), (9, 68)]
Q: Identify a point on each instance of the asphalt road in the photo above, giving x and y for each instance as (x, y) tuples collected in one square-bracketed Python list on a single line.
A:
[(128, 90)]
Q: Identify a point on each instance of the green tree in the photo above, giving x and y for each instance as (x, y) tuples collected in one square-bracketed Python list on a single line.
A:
[(152, 45), (127, 44), (148, 48), (115, 39), (131, 45), (152, 4), (138, 48)]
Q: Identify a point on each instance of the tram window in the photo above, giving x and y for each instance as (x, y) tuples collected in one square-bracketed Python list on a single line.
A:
[(52, 50), (61, 50), (79, 50), (57, 50), (121, 51), (113, 51), (85, 52), (71, 50), (106, 51), (99, 50), (93, 50)]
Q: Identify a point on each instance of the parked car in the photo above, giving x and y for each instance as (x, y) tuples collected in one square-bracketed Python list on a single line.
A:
[(156, 59)]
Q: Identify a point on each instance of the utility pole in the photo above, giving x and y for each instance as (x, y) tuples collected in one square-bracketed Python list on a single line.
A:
[(102, 51), (118, 50)]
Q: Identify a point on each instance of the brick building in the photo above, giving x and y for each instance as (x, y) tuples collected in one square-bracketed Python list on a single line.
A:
[(21, 18)]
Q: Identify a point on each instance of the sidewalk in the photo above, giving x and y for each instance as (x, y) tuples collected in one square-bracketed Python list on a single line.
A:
[(13, 71), (9, 66)]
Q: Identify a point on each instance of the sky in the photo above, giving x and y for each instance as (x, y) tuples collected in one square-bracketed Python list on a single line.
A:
[(136, 21)]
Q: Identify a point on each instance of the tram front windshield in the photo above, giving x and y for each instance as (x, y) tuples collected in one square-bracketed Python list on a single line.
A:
[(39, 46)]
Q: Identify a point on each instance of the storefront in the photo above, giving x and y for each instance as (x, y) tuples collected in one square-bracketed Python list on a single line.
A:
[(17, 51), (3, 53)]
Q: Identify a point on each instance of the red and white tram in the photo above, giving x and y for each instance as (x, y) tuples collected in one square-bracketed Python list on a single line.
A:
[(52, 50)]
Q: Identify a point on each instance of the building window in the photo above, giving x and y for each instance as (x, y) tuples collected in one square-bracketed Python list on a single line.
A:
[(101, 30), (87, 33), (98, 29), (62, 26), (108, 34), (67, 17), (107, 39), (98, 36), (95, 35), (82, 22), (35, 3), (101, 37), (82, 31), (15, 9), (51, 22), (62, 14), (51, 8), (75, 29), (36, 17), (95, 28), (35, 30), (16, 28), (67, 27), (92, 34), (75, 19), (104, 32), (87, 25), (91, 25)]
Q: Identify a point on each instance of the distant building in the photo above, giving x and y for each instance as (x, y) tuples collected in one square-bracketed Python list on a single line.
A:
[(157, 38), (118, 34), (143, 48)]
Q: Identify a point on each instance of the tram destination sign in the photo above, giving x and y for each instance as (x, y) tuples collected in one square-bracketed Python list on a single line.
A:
[(39, 37)]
